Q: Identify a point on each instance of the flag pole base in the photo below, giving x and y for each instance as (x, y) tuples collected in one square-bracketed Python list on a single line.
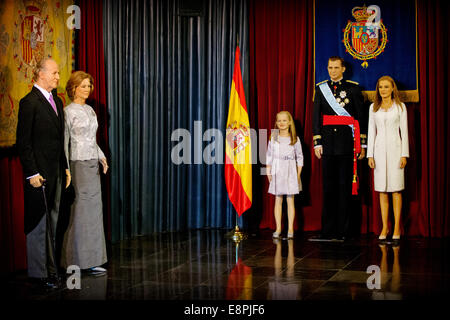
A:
[(236, 235)]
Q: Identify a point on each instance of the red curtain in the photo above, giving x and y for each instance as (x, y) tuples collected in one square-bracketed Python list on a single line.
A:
[(12, 236), (431, 210), (90, 58), (281, 70)]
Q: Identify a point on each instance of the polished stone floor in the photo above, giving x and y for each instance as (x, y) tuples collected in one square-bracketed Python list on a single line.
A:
[(204, 265)]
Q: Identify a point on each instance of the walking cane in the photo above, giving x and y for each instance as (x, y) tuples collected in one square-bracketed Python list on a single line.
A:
[(50, 231)]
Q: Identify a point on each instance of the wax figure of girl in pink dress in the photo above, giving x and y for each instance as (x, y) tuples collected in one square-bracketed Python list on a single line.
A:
[(284, 167)]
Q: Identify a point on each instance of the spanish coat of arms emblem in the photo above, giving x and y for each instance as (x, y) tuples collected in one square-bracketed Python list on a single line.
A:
[(364, 39), (34, 36)]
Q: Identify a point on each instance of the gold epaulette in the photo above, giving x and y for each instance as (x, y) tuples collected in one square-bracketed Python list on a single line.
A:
[(321, 82), (354, 82), (317, 137)]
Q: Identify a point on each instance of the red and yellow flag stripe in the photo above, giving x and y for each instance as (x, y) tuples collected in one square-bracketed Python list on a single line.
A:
[(240, 283), (238, 164)]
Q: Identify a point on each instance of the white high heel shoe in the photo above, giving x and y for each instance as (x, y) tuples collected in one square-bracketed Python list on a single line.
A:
[(396, 237), (383, 237)]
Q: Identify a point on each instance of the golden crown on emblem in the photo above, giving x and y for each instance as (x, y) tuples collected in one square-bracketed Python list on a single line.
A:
[(361, 13), (34, 5)]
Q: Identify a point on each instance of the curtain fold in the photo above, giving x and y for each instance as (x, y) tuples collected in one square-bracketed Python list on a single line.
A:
[(90, 58), (167, 71), (432, 117)]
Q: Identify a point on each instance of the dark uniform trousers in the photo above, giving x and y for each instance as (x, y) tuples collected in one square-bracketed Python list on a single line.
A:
[(337, 195)]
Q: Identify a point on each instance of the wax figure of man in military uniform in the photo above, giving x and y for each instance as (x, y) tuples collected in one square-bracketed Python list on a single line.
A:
[(334, 130)]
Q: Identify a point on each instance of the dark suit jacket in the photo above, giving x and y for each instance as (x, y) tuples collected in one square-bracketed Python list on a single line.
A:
[(338, 140), (40, 143)]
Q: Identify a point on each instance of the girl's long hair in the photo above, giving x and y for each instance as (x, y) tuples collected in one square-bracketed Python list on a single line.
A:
[(395, 96), (292, 131)]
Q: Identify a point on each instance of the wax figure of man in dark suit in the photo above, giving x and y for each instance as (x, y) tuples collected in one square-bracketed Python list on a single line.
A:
[(334, 144), (40, 143)]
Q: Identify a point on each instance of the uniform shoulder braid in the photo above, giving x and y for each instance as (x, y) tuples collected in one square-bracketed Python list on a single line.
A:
[(352, 82), (318, 84)]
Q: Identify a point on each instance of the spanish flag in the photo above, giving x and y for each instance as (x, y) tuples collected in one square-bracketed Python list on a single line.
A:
[(238, 165), (240, 283)]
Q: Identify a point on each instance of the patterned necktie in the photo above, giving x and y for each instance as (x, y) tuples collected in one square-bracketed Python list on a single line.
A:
[(52, 102)]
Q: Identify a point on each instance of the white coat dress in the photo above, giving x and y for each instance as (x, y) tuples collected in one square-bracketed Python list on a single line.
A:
[(387, 142)]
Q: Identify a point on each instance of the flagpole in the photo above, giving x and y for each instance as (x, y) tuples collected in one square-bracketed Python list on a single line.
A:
[(236, 235), (237, 252)]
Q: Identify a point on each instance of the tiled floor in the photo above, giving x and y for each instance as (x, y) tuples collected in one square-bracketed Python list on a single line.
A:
[(202, 265)]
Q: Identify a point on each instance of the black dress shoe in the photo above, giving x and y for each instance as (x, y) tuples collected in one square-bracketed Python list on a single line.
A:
[(395, 242), (321, 238), (49, 283), (96, 271), (383, 240)]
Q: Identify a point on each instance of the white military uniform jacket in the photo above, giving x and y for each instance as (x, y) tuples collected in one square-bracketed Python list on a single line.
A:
[(387, 142)]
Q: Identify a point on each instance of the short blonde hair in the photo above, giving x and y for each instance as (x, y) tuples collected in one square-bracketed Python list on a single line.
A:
[(75, 80)]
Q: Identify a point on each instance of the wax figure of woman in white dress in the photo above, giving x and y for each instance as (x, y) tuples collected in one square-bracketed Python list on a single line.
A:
[(387, 149), (284, 167), (84, 241)]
